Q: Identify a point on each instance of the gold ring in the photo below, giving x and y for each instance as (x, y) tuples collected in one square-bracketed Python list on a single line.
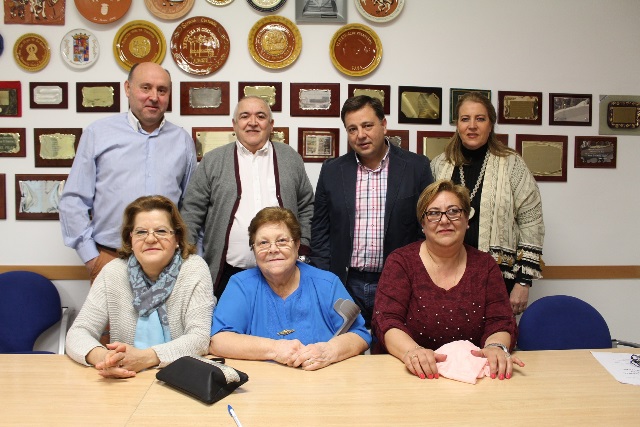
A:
[(415, 355)]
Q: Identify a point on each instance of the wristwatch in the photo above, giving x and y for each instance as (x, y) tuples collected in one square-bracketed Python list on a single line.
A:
[(502, 346)]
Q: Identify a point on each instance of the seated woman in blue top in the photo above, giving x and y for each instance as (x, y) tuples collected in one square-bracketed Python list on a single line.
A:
[(283, 309)]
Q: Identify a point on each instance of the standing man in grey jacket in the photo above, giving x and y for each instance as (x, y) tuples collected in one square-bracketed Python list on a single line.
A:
[(233, 182)]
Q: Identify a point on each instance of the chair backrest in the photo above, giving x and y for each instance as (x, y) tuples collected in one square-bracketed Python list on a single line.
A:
[(562, 322), (29, 305)]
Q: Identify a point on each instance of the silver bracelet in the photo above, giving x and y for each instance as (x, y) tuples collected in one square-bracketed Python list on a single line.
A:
[(502, 346)]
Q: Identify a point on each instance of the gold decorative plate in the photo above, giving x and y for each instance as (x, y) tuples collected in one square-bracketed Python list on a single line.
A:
[(275, 42), (32, 52), (379, 11), (200, 45), (139, 41), (219, 2), (355, 50), (103, 11), (167, 9)]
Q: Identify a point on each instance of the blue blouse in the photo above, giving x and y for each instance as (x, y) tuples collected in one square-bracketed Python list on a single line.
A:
[(249, 306)]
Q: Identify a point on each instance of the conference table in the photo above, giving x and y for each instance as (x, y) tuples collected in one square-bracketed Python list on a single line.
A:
[(567, 387)]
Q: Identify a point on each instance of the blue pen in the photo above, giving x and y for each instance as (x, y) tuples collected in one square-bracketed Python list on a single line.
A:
[(233, 415)]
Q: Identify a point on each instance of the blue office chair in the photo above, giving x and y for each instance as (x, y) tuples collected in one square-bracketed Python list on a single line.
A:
[(29, 305), (562, 322)]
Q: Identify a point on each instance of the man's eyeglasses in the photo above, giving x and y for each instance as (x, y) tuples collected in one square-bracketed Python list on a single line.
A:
[(453, 214), (265, 245), (160, 233), (635, 360)]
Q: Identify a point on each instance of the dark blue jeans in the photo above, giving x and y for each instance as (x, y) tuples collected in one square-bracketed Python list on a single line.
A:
[(362, 286)]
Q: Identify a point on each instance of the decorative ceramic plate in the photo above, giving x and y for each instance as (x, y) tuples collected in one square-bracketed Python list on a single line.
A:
[(219, 2), (266, 5), (355, 50), (167, 9), (200, 45), (275, 42), (139, 41), (32, 52), (1, 44), (80, 48), (103, 11), (379, 10)]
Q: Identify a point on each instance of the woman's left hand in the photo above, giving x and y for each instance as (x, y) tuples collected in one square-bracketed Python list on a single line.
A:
[(315, 356), (519, 298), (500, 363), (129, 359)]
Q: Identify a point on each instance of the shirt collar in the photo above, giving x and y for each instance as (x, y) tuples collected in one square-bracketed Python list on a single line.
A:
[(261, 152), (383, 162), (135, 123)]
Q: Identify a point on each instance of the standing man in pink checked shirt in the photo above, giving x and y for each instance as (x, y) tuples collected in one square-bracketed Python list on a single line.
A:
[(365, 202)]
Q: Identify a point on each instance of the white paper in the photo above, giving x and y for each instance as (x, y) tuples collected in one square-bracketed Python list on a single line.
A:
[(619, 365)]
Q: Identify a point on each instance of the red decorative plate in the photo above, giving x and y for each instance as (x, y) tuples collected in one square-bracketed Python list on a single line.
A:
[(200, 45)]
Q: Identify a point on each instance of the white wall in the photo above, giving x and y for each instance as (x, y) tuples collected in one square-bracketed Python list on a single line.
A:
[(575, 46)]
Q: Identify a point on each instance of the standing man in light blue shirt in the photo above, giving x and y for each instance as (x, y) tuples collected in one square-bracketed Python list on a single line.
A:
[(119, 159)]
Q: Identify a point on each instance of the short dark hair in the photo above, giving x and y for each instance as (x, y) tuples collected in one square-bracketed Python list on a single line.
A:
[(430, 193), (274, 215), (148, 204), (356, 103)]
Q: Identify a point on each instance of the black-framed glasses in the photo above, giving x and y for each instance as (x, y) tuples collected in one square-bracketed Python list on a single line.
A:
[(453, 214), (635, 360), (265, 245), (160, 233)]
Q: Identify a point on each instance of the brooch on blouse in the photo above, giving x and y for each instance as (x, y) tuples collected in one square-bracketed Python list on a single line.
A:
[(286, 332)]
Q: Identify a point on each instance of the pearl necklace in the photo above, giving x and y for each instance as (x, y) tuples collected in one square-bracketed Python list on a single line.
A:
[(478, 182)]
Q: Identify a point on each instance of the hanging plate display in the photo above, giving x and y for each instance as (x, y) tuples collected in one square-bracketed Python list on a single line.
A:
[(32, 52), (103, 11), (275, 42), (355, 50), (379, 10), (266, 5), (219, 2), (200, 45), (139, 41), (167, 9), (80, 48)]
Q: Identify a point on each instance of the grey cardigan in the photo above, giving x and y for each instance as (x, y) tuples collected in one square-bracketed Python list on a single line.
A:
[(214, 192), (110, 301)]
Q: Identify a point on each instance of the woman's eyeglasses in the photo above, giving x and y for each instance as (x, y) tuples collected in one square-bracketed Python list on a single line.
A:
[(160, 233), (453, 214), (265, 245)]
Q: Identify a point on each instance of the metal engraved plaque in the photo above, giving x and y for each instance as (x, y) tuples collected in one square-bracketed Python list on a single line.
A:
[(205, 97), (315, 99), (97, 96)]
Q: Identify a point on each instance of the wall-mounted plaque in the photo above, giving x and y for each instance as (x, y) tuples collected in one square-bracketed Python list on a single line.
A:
[(569, 109), (318, 145), (35, 12), (271, 92), (98, 97), (103, 11), (522, 108), (37, 196), (545, 155), (274, 42), (31, 52), (266, 5), (204, 98), (355, 50), (420, 105), (3, 196), (209, 138), (321, 11), (280, 134), (432, 143), (619, 115), (399, 138), (137, 42), (10, 99), (49, 95), (454, 98), (56, 147), (315, 99), (80, 48), (200, 45), (169, 9), (596, 152), (13, 142), (382, 92)]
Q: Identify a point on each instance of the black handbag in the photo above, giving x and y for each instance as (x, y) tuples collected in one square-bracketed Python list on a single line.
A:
[(204, 379)]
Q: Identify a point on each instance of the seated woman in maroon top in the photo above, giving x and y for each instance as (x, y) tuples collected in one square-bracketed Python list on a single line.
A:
[(440, 290)]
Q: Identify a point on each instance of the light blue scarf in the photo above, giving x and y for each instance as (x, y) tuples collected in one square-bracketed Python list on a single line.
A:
[(149, 301)]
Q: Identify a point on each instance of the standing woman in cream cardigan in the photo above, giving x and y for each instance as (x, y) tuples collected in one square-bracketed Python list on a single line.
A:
[(506, 208)]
